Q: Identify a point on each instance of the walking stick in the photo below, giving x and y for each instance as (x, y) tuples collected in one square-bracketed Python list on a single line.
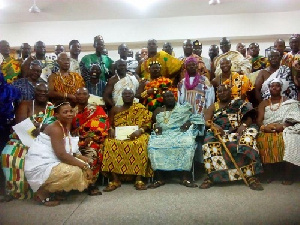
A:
[(217, 134)]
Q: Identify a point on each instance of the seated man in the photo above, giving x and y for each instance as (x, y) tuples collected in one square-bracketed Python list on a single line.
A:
[(172, 146), (27, 85), (240, 84), (91, 125), (127, 157), (230, 147)]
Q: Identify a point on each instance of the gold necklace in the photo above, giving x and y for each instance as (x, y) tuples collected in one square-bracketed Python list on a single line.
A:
[(73, 79), (166, 119), (271, 104)]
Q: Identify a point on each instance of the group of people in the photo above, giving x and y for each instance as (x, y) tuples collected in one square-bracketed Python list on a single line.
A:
[(134, 119)]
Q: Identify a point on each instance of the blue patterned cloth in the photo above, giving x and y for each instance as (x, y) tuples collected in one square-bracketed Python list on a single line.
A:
[(174, 150), (26, 88), (97, 89)]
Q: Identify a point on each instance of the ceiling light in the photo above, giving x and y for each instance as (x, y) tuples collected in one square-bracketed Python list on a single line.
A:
[(142, 4), (214, 2), (34, 8)]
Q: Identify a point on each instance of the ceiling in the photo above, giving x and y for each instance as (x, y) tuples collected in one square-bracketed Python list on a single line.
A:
[(16, 11)]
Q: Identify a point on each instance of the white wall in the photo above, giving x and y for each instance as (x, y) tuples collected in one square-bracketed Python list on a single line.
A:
[(260, 27)]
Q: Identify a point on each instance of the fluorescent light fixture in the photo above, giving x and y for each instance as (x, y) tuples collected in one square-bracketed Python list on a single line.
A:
[(34, 8), (142, 4), (214, 2), (2, 4)]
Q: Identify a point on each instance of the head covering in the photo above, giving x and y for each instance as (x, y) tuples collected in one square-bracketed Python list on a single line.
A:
[(153, 62), (197, 43), (276, 80), (190, 59)]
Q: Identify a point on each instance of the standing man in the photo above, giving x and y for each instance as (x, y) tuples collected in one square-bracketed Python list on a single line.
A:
[(187, 49), (98, 57), (25, 51), (10, 67), (258, 62), (290, 57), (279, 45), (132, 64), (75, 50), (225, 45), (167, 47), (213, 52), (116, 84), (241, 48), (197, 50), (170, 66), (40, 54), (58, 49)]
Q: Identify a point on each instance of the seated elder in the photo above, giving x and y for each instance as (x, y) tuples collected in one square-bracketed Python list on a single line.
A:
[(172, 144), (40, 112), (91, 125), (229, 150), (130, 156), (59, 166), (274, 116)]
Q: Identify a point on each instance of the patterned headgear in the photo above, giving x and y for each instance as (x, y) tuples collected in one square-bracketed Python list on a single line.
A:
[(197, 43), (190, 59), (152, 63)]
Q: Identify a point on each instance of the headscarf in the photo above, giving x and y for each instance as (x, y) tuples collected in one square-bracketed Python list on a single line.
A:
[(276, 80)]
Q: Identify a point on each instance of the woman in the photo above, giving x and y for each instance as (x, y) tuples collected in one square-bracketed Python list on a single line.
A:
[(39, 111), (150, 92), (229, 150), (60, 166), (271, 119)]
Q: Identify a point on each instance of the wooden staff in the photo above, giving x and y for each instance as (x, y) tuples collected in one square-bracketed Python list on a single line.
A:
[(218, 135)]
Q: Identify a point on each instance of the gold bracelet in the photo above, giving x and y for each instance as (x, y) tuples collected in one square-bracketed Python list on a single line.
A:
[(142, 129), (85, 167), (153, 126)]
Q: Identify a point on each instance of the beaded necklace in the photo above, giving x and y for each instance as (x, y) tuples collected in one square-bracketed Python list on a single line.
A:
[(69, 137), (271, 104), (34, 116)]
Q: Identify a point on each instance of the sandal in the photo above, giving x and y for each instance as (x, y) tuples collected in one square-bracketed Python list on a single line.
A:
[(94, 190), (207, 183), (112, 186), (50, 201), (188, 183), (156, 184), (254, 184), (140, 185)]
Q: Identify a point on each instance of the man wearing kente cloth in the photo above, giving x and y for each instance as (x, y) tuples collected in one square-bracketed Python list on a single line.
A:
[(239, 83), (64, 84), (294, 55), (91, 125), (97, 58), (151, 92), (129, 156), (170, 66), (10, 67), (229, 151), (258, 62), (172, 143)]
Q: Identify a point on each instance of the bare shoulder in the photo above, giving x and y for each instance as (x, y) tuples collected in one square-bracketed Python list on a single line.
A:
[(114, 79), (54, 130)]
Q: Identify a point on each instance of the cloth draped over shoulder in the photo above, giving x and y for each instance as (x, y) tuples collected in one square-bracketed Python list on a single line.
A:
[(240, 85), (288, 89), (271, 145), (43, 168), (91, 124), (129, 81), (169, 65), (103, 61), (259, 63), (173, 149), (243, 149), (129, 157), (13, 159), (201, 66), (11, 69), (291, 134), (68, 84), (162, 84), (26, 88)]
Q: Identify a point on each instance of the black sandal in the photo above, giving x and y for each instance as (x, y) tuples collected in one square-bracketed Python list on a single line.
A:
[(188, 183), (94, 190), (156, 184)]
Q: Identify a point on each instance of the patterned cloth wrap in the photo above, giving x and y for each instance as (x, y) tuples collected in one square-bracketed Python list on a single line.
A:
[(259, 63), (13, 158), (91, 124), (173, 149), (156, 100), (169, 65), (129, 157), (11, 69), (243, 149)]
